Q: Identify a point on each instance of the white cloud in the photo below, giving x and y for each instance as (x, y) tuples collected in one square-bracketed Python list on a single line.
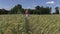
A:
[(50, 2)]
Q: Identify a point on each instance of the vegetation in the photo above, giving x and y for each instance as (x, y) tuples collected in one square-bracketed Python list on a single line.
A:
[(37, 24), (11, 24), (38, 10), (57, 10)]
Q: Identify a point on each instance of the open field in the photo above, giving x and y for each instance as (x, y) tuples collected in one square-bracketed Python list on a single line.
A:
[(38, 24)]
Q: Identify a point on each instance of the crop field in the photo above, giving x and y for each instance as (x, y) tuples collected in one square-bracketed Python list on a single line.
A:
[(36, 24)]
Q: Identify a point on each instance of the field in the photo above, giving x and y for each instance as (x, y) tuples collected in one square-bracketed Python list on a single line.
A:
[(37, 24)]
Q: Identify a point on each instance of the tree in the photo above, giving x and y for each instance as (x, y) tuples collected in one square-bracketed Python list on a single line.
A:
[(46, 10), (37, 10), (17, 9), (3, 11), (42, 10), (37, 7), (57, 10)]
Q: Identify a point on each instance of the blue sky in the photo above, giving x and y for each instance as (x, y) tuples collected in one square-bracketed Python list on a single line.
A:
[(8, 4)]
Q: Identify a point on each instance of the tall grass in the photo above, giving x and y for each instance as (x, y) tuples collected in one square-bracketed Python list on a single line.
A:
[(34, 24)]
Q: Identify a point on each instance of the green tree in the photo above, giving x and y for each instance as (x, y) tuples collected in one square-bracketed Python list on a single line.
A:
[(17, 9), (42, 10), (3, 11), (57, 10), (37, 10), (46, 10)]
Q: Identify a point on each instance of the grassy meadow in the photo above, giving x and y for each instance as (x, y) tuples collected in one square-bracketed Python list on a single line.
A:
[(38, 24)]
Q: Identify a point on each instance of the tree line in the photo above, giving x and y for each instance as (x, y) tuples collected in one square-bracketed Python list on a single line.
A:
[(17, 9)]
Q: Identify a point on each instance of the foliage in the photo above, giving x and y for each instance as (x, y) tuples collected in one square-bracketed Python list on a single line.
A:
[(37, 24), (57, 10), (17, 9), (42, 10)]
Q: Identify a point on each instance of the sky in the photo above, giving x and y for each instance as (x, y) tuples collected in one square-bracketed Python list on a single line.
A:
[(8, 4)]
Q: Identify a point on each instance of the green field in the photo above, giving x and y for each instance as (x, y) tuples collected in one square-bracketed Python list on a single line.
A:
[(38, 24)]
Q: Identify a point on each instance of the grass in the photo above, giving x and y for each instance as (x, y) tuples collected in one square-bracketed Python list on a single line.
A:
[(11, 23), (45, 24), (38, 24)]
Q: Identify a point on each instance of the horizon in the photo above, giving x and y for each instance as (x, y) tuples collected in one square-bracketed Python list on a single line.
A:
[(8, 4)]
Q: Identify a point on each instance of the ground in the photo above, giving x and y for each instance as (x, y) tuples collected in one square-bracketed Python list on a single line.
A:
[(38, 24)]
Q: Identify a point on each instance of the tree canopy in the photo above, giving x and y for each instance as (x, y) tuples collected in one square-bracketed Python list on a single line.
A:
[(17, 9), (57, 10)]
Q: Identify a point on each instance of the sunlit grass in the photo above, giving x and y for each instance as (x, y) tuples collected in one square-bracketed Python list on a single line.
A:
[(38, 24)]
